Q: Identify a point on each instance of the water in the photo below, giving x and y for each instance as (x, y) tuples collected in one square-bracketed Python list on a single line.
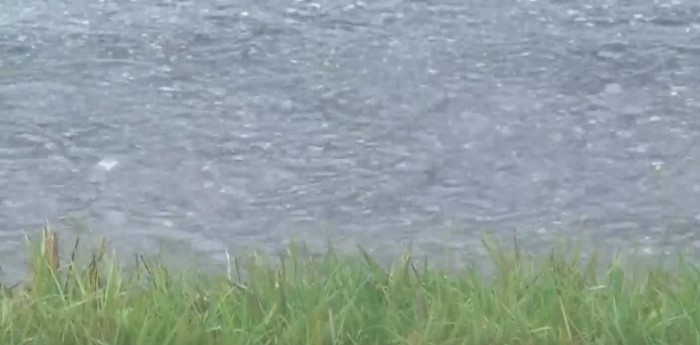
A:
[(214, 124)]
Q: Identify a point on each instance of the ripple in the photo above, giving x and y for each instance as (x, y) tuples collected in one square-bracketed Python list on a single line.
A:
[(215, 123)]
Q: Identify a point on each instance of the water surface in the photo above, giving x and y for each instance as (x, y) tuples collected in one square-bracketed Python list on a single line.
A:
[(218, 123)]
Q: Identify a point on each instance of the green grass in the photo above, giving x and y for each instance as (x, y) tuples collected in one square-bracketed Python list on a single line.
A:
[(338, 299)]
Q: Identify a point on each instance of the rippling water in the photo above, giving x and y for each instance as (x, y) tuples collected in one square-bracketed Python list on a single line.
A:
[(212, 124)]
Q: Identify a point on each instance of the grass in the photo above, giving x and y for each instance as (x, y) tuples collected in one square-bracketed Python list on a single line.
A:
[(338, 299)]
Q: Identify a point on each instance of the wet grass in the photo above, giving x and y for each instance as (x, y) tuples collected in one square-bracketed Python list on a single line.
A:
[(338, 299)]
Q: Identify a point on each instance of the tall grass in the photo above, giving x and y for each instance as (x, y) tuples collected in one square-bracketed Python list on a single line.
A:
[(338, 299)]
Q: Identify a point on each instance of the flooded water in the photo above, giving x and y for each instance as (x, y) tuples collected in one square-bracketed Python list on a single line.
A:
[(203, 125)]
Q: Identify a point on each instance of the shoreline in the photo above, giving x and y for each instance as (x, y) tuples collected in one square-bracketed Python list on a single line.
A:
[(334, 299)]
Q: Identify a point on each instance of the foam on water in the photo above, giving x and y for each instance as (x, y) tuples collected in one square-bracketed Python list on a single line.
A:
[(107, 164)]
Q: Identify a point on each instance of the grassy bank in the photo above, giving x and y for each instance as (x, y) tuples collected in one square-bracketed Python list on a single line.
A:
[(348, 300)]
